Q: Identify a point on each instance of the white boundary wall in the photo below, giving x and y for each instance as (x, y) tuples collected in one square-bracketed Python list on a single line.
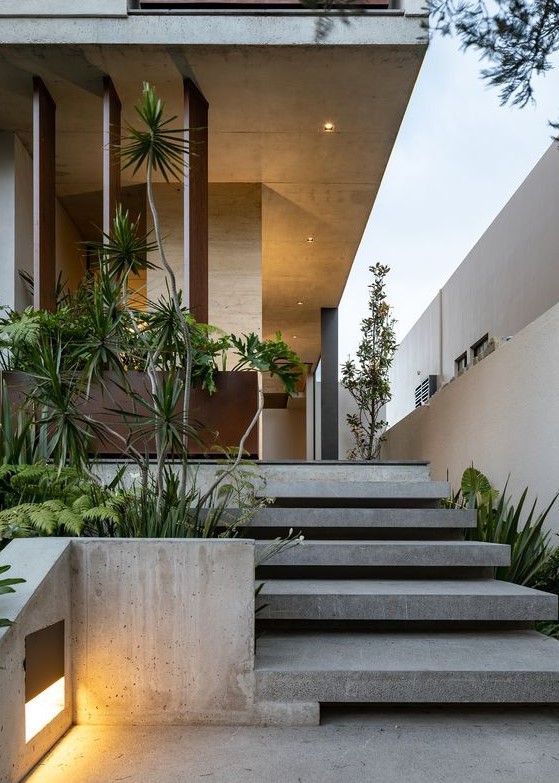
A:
[(508, 279), (502, 415)]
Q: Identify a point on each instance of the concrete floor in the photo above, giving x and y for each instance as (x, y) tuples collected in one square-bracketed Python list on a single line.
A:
[(386, 745)]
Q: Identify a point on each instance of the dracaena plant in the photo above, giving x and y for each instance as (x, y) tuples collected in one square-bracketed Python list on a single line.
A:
[(99, 328)]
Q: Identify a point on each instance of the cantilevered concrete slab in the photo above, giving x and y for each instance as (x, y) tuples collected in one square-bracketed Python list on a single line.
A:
[(404, 600), (271, 89), (513, 667)]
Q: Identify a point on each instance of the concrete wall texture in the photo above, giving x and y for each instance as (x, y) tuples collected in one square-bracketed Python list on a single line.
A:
[(509, 278), (501, 415), (42, 600), (36, 8), (157, 631)]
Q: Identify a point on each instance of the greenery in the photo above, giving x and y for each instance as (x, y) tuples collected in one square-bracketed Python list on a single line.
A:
[(6, 587), (516, 38), (500, 521), (48, 483), (366, 378)]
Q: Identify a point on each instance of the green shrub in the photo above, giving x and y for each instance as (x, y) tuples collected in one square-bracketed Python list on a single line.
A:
[(6, 587)]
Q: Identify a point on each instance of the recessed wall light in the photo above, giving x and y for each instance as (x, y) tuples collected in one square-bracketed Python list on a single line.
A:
[(300, 303), (310, 240), (328, 127)]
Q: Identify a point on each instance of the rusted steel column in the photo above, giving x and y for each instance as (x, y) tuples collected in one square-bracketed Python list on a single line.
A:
[(44, 197), (329, 382), (196, 202), (111, 153)]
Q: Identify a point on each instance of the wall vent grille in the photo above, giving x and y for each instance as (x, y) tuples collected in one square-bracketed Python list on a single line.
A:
[(426, 389)]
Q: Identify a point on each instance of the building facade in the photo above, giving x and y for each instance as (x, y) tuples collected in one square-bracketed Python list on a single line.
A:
[(291, 136), (474, 380)]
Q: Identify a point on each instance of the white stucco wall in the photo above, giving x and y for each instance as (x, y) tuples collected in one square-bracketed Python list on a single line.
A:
[(508, 279), (502, 415)]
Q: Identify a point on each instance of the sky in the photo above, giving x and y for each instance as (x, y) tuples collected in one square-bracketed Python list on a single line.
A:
[(458, 158)]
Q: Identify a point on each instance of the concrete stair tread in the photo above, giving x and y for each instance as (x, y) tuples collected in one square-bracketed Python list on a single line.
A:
[(319, 490), (390, 553), (364, 517), (317, 651), (495, 667), (419, 600), (458, 587)]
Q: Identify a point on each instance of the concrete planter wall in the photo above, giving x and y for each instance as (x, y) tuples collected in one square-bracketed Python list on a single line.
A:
[(157, 631), (37, 8)]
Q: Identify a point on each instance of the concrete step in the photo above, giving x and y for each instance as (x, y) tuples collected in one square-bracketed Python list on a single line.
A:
[(408, 554), (403, 600), (343, 470), (381, 518), (363, 493), (494, 667)]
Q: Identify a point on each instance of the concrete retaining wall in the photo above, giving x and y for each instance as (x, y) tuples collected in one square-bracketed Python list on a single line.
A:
[(36, 8), (156, 632), (42, 600), (168, 631)]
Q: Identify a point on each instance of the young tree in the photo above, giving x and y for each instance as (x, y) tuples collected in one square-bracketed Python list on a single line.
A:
[(366, 377)]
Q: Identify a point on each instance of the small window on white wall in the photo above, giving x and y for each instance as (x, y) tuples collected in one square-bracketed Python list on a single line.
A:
[(479, 348), (461, 363)]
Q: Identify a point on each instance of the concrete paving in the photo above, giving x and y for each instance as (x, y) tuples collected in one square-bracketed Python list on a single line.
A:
[(392, 745)]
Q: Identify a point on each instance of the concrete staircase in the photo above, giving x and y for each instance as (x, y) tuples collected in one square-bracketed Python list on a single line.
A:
[(385, 602)]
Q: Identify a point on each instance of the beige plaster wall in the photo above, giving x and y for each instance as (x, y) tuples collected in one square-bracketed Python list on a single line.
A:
[(70, 263), (169, 199), (284, 434), (235, 252), (501, 415), (235, 257)]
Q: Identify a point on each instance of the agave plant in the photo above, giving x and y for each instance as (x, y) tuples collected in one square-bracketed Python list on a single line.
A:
[(499, 521)]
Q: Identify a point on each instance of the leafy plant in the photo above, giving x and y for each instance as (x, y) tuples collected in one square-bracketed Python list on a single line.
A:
[(366, 378), (96, 331), (41, 499), (6, 586), (499, 521)]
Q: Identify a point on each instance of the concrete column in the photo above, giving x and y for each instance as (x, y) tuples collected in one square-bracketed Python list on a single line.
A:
[(44, 198), (329, 382)]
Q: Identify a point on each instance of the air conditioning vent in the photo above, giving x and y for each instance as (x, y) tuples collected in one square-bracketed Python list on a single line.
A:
[(425, 390)]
